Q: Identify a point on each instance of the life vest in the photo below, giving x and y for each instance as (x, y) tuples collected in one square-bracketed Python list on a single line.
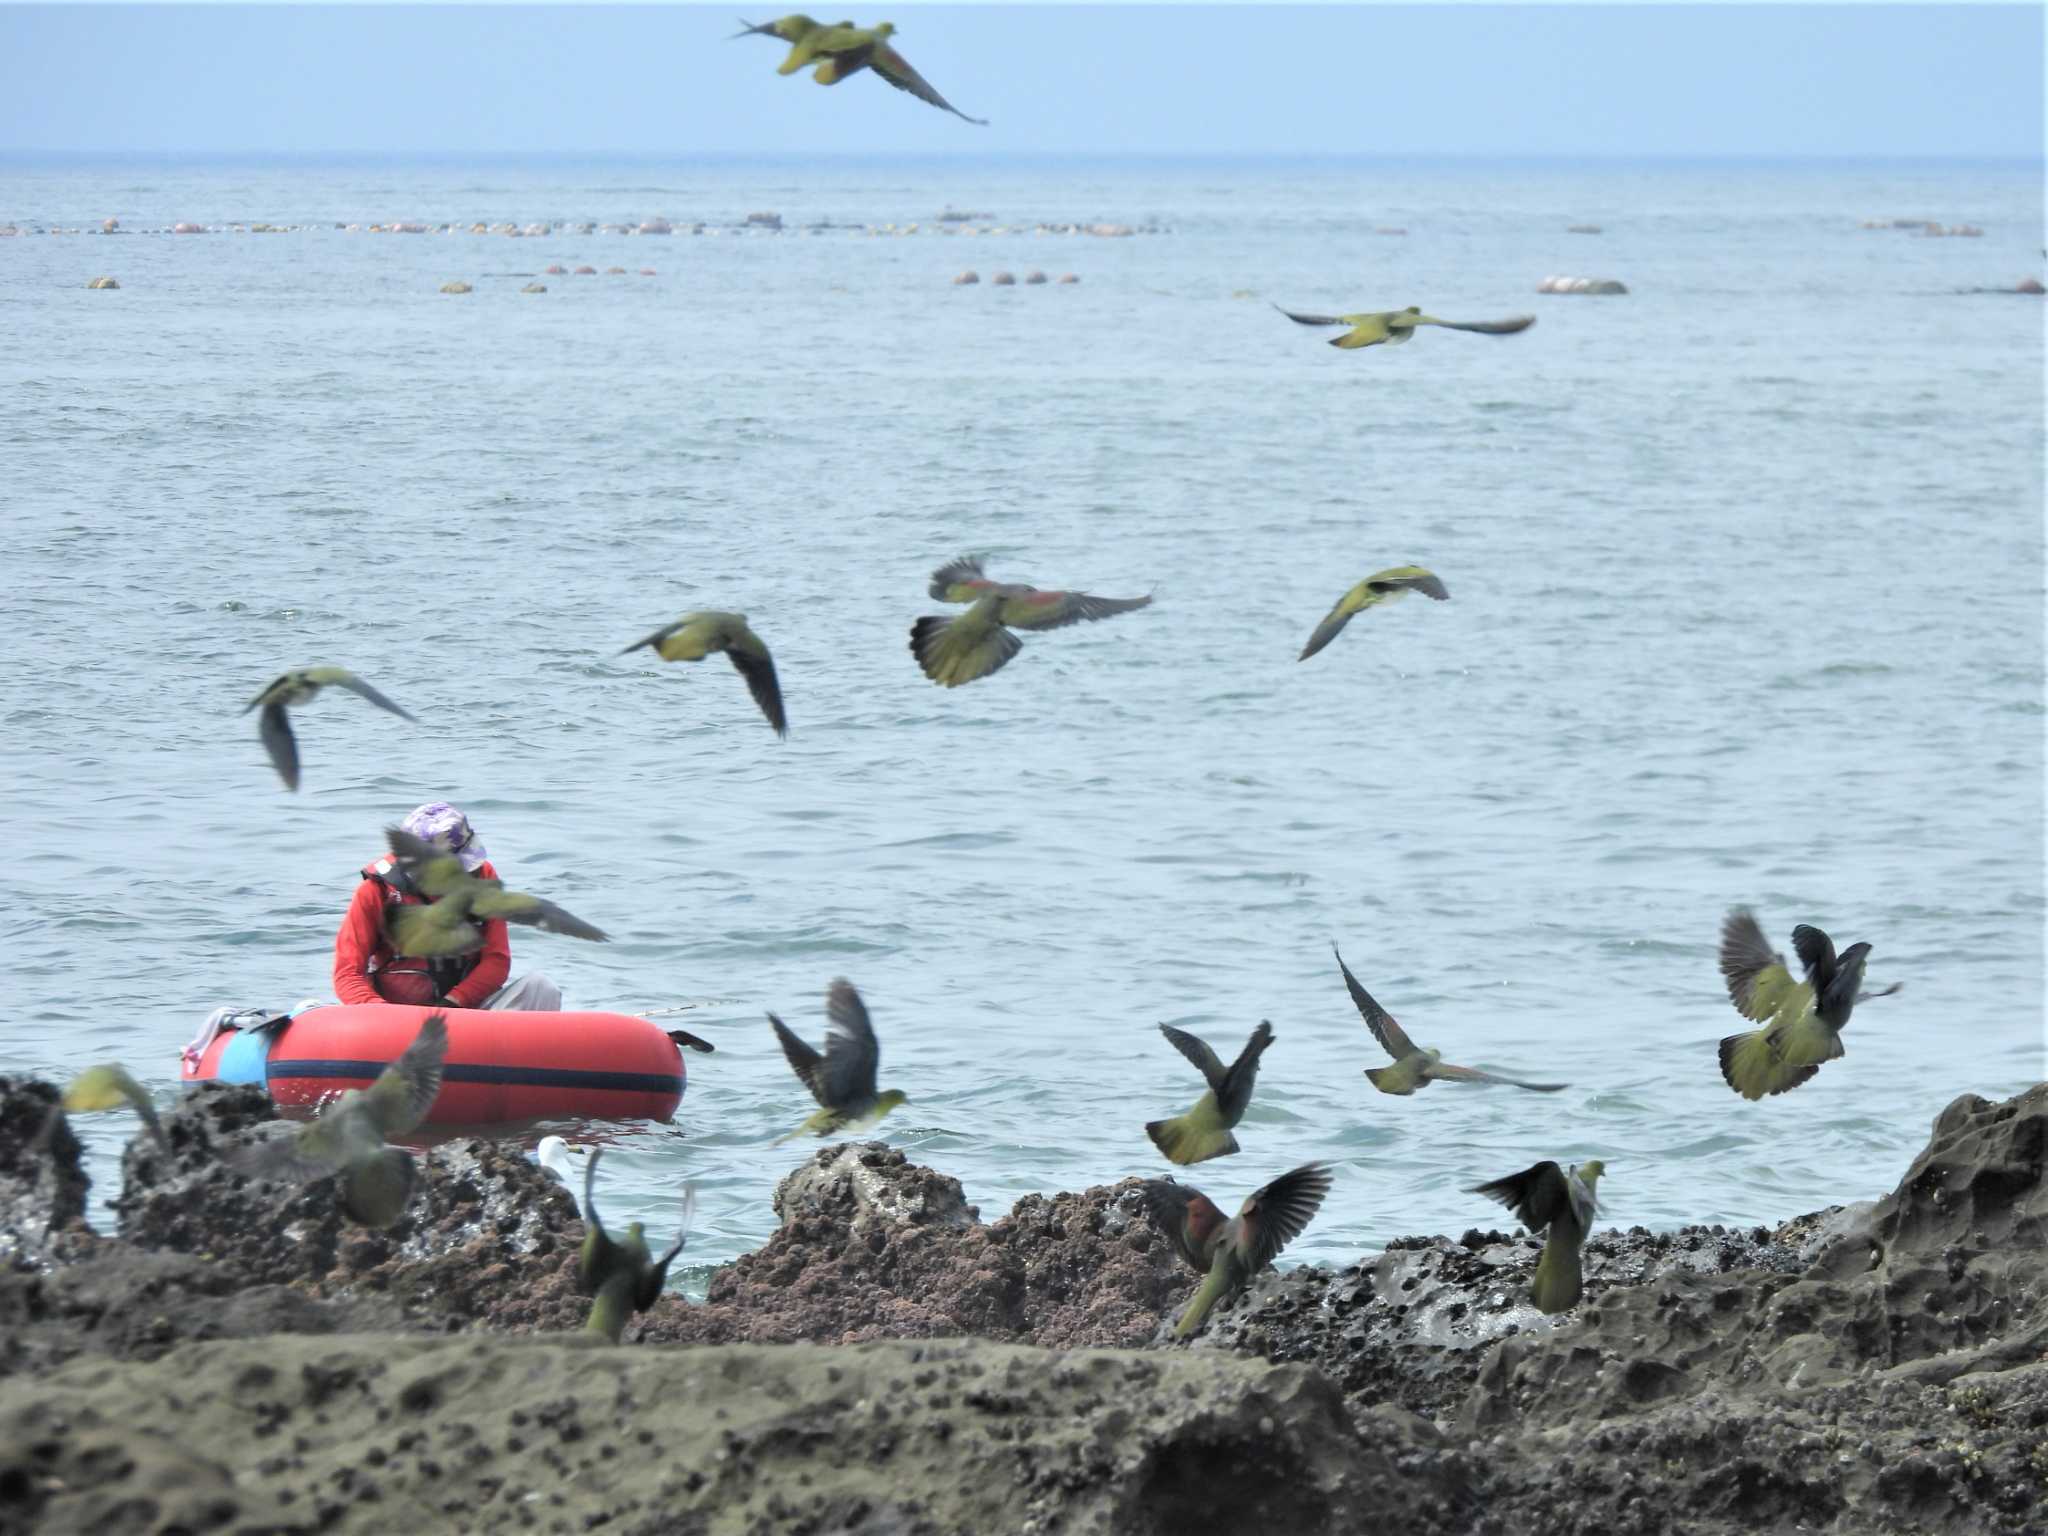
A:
[(445, 972)]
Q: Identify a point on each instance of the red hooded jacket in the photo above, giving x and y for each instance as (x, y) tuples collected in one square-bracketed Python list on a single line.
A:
[(366, 970)]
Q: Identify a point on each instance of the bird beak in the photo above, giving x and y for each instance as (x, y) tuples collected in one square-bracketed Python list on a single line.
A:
[(752, 29)]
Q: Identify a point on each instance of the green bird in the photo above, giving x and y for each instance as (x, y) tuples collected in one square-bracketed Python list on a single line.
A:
[(1547, 1196), (1413, 1066), (450, 921), (623, 1276), (348, 1137), (842, 1080), (800, 32), (1382, 587), (107, 1086), (697, 635), (296, 688), (1230, 1253), (973, 644), (1803, 1020), (1204, 1131), (1390, 327), (846, 50)]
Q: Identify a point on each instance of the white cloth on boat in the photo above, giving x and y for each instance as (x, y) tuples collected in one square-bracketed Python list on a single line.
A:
[(532, 993), (222, 1019)]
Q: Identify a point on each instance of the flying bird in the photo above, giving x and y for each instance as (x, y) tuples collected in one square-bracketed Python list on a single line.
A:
[(1393, 326), (1382, 587), (1547, 1196), (295, 688), (973, 644), (623, 1276), (349, 1136), (450, 921), (1227, 1254), (842, 1079), (108, 1086), (846, 50), (1803, 1020), (697, 635), (1413, 1066), (1204, 1131)]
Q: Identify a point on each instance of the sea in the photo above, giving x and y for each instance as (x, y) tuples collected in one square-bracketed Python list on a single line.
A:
[(1746, 609)]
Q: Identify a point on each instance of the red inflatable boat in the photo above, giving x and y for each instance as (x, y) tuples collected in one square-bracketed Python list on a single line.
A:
[(500, 1065)]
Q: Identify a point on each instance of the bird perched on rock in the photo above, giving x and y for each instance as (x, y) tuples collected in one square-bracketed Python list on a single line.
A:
[(623, 1276), (1227, 1254), (1803, 1020), (842, 1080), (348, 1138), (800, 32), (1204, 1131), (1383, 587), (449, 921), (108, 1086), (295, 688), (1547, 1196), (958, 650), (554, 1155), (1393, 326), (1413, 1066), (846, 50), (697, 635)]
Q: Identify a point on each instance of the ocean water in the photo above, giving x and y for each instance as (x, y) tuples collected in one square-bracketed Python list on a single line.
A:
[(1746, 576)]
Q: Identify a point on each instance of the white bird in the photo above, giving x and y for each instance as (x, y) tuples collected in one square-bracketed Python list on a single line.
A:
[(556, 1157)]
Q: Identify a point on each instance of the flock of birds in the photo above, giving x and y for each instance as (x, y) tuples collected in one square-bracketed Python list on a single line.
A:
[(1800, 1020)]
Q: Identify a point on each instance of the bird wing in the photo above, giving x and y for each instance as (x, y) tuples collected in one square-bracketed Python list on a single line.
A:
[(341, 677), (1234, 1092), (520, 907), (276, 728), (1274, 1216), (1055, 610), (1450, 1074), (959, 650), (1583, 1204), (803, 1060), (1197, 1051), (894, 68), (1392, 1038), (1167, 1204), (751, 659), (1301, 319), (404, 1091), (851, 1052), (1536, 1195), (1483, 327), (431, 932), (1332, 624), (654, 639), (1758, 983), (1408, 578), (1816, 953), (958, 581)]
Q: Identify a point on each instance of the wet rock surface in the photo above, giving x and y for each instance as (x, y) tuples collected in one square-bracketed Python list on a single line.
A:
[(239, 1358)]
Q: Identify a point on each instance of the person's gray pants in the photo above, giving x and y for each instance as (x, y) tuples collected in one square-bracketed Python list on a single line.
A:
[(532, 992)]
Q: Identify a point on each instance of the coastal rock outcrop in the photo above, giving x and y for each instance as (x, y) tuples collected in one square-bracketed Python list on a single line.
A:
[(456, 287), (102, 283), (1595, 285)]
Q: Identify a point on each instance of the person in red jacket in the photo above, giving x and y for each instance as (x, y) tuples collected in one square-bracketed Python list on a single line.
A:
[(367, 971)]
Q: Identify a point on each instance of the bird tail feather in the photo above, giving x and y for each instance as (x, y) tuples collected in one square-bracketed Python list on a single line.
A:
[(1558, 1280)]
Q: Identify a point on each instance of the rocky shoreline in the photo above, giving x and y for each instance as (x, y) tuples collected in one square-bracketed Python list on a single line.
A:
[(227, 1362)]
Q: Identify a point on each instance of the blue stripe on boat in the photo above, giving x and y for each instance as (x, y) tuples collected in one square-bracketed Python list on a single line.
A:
[(479, 1072)]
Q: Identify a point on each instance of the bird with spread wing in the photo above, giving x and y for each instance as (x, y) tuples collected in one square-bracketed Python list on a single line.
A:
[(1228, 1254), (973, 644), (1204, 1131), (621, 1273), (1413, 1066), (841, 1077), (1380, 587), (1548, 1197), (1390, 327), (449, 921), (1803, 1020), (301, 687), (697, 635)]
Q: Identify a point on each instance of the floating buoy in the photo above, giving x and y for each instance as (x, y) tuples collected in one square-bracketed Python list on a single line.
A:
[(1004, 280), (103, 282), (455, 287), (969, 276), (1034, 277), (535, 288), (1068, 277), (586, 271)]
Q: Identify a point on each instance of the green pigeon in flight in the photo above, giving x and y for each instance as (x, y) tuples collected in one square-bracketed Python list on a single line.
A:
[(450, 921), (293, 689), (1204, 1131), (1227, 1254), (1413, 1066), (973, 644), (622, 1274), (697, 635), (842, 1077), (1381, 587), (846, 50), (1390, 327), (1546, 1196), (1803, 1020)]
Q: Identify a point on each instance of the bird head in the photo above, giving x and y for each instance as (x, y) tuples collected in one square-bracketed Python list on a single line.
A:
[(888, 1099), (1589, 1172), (885, 29), (1412, 309)]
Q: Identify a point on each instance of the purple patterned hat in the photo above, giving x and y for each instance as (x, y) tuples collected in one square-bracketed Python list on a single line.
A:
[(444, 826)]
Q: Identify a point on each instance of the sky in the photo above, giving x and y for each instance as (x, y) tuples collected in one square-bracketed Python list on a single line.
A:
[(1633, 81)]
